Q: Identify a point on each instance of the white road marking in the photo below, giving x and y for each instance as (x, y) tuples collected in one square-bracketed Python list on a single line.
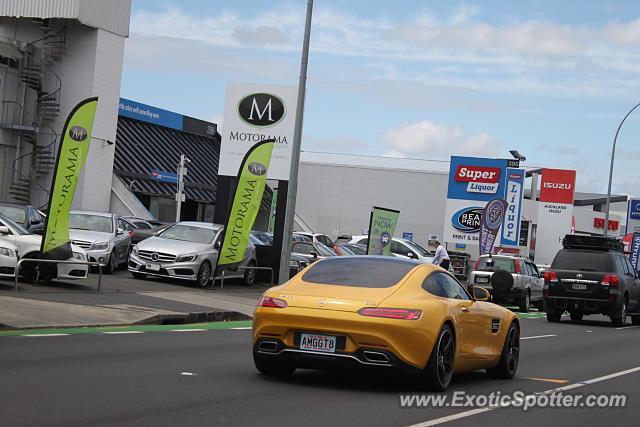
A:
[(123, 332), (627, 327), (538, 336), (189, 374), (45, 335), (477, 411), (248, 327), (187, 330)]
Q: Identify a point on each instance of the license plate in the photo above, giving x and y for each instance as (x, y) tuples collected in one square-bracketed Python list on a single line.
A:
[(482, 279), (579, 286), (153, 267), (324, 343)]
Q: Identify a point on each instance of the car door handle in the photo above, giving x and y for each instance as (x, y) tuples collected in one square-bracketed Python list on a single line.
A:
[(465, 309)]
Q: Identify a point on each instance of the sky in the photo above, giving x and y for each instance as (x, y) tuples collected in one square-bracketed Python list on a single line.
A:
[(415, 79)]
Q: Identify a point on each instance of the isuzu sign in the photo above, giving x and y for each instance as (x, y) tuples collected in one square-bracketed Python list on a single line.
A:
[(557, 186)]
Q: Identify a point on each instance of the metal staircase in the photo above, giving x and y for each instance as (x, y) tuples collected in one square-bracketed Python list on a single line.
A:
[(35, 72)]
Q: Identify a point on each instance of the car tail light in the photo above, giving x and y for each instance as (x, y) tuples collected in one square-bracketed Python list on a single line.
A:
[(610, 280), (516, 263), (475, 267), (391, 313), (130, 233), (272, 302), (550, 277)]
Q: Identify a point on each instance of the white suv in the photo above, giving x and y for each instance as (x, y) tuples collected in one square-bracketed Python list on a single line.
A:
[(317, 237)]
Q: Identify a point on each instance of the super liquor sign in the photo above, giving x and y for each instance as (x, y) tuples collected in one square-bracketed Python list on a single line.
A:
[(473, 182)]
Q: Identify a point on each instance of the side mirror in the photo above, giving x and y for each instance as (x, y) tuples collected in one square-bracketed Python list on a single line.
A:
[(217, 245), (119, 231), (314, 254), (4, 229), (35, 222), (481, 294), (411, 255)]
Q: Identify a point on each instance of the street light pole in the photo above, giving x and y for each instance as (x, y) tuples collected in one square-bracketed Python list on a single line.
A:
[(182, 171), (292, 190), (613, 153)]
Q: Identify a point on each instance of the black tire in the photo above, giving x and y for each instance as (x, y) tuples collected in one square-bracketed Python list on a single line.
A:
[(30, 271), (138, 275), (635, 320), (525, 302), (111, 264), (501, 282), (438, 372), (619, 317), (250, 275), (510, 356), (576, 316), (554, 315), (270, 365), (204, 274)]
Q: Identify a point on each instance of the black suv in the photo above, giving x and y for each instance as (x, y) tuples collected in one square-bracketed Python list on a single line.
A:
[(591, 275)]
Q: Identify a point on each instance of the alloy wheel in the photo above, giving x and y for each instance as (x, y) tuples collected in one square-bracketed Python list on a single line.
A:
[(445, 357), (513, 349), (203, 274)]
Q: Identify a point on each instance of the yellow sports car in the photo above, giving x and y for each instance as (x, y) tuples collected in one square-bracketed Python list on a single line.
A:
[(386, 313)]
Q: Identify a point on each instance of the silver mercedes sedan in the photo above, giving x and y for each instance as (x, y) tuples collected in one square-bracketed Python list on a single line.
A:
[(187, 250)]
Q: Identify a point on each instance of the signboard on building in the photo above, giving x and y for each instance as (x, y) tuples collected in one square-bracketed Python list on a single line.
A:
[(633, 216), (255, 112), (164, 176), (473, 182), (407, 236), (513, 195), (555, 212)]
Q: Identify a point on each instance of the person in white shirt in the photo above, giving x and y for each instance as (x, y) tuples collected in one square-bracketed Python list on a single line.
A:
[(442, 257)]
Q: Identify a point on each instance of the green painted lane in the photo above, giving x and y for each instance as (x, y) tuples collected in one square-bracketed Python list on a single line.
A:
[(135, 328)]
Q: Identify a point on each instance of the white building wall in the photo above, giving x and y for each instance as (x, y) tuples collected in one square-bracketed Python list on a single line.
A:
[(338, 199)]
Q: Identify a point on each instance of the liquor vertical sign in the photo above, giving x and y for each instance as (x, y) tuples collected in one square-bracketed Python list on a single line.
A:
[(513, 196)]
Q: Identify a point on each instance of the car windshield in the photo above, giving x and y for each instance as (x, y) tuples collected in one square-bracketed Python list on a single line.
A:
[(499, 263), (324, 250), (189, 233), (17, 228), (417, 248), (14, 213), (363, 272), (582, 260), (91, 222), (346, 250), (358, 250)]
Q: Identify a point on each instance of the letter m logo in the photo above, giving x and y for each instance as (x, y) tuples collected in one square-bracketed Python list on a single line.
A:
[(256, 109)]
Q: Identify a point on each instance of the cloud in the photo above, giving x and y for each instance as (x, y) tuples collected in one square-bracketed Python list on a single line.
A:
[(623, 34), (437, 141), (566, 151), (260, 36)]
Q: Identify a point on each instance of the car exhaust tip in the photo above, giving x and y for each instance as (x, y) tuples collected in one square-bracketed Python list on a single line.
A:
[(269, 346), (376, 357)]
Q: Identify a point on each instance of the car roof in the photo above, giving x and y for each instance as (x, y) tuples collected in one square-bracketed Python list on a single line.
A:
[(15, 205), (97, 213), (505, 256), (201, 224), (386, 258)]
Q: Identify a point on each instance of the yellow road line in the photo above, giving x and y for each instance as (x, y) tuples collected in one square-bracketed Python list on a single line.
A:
[(547, 380)]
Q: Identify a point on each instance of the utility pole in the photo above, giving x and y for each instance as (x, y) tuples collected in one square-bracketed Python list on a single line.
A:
[(613, 154), (182, 171), (295, 154)]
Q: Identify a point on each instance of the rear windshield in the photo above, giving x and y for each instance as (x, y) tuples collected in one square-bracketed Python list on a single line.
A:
[(499, 263), (362, 272), (582, 260)]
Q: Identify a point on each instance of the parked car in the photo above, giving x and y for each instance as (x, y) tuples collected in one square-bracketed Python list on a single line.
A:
[(28, 217), (297, 237), (138, 234), (312, 251), (317, 237), (133, 223), (103, 235), (188, 251), (350, 249), (8, 260), (343, 238), (297, 263), (591, 275), (510, 280), (402, 248), (263, 237), (28, 246)]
